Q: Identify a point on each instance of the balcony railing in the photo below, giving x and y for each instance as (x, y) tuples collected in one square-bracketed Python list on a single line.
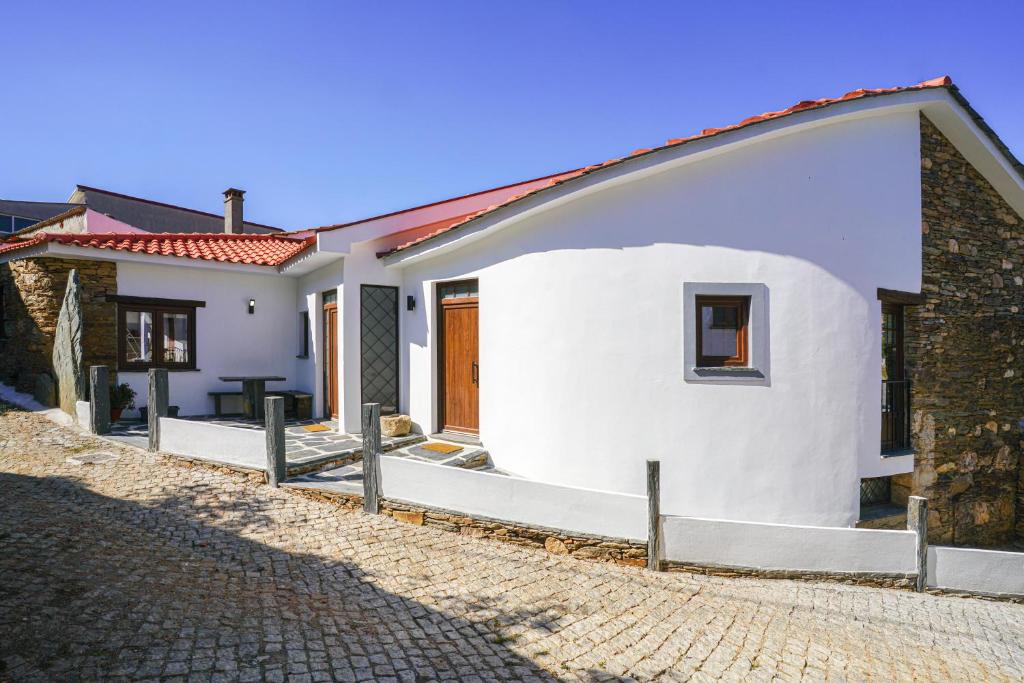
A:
[(895, 415)]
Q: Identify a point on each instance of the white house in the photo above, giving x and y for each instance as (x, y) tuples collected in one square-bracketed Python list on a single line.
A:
[(713, 303)]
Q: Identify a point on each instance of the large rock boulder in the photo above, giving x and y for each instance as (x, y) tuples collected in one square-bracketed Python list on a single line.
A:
[(395, 425), (67, 348)]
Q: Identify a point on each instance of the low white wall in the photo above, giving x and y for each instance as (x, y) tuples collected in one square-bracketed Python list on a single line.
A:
[(218, 443), (992, 572), (599, 513), (83, 411), (785, 547)]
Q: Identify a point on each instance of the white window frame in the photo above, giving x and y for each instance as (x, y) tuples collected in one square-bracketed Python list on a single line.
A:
[(757, 371)]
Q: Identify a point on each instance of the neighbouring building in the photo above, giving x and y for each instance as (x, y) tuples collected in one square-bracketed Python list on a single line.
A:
[(805, 317)]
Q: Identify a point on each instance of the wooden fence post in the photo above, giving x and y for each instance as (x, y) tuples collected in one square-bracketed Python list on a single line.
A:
[(99, 399), (917, 521), (158, 400), (654, 515), (371, 454), (276, 465)]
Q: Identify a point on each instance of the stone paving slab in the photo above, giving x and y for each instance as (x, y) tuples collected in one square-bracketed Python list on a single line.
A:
[(303, 448), (146, 568)]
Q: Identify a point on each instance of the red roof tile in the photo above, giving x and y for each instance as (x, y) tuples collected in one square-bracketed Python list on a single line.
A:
[(941, 82), (256, 250)]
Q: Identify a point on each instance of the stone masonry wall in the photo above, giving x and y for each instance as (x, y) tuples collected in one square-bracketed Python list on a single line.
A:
[(965, 348), (33, 290)]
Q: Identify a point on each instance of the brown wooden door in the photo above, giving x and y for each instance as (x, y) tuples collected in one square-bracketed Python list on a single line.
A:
[(331, 359), (460, 365)]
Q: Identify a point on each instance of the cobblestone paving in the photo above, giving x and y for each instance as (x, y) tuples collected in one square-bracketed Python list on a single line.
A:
[(145, 568)]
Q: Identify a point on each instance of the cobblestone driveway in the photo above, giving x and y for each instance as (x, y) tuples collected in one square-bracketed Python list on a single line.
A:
[(148, 569)]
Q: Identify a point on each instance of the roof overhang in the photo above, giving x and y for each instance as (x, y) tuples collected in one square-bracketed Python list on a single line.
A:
[(949, 111), (304, 262)]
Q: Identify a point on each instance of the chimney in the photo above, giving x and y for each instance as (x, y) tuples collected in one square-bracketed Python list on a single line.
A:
[(233, 211)]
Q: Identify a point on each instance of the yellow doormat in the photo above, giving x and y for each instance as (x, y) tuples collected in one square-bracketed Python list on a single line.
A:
[(445, 448), (316, 428)]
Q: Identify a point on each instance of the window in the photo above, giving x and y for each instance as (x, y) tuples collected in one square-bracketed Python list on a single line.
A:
[(156, 336), (304, 334), (725, 333), (721, 328)]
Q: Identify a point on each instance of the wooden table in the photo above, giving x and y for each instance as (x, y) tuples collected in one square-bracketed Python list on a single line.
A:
[(254, 389)]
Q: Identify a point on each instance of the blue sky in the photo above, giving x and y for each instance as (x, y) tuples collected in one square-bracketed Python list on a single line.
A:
[(328, 111)]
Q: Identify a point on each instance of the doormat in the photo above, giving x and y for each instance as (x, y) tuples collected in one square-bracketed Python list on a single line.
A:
[(445, 448), (316, 428)]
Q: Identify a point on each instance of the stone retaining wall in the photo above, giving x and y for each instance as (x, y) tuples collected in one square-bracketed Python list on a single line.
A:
[(965, 353), (33, 291), (904, 581)]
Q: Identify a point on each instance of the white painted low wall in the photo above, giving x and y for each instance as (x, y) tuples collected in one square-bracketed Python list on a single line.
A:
[(217, 443), (784, 547), (510, 499), (83, 411), (992, 572)]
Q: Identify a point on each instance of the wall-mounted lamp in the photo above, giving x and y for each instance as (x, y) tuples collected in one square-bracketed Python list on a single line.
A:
[(252, 306), (410, 303)]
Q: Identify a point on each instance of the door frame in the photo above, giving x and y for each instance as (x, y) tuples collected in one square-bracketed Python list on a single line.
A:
[(330, 362), (439, 308)]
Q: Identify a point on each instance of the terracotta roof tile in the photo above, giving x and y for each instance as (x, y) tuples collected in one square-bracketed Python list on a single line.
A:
[(804, 105), (255, 250)]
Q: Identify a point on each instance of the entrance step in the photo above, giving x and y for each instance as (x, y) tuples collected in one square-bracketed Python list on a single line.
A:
[(307, 460)]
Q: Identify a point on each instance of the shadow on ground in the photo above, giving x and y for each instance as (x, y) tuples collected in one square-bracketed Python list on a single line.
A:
[(101, 588)]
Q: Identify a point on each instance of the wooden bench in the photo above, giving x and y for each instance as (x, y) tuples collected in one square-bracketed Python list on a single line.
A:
[(217, 396)]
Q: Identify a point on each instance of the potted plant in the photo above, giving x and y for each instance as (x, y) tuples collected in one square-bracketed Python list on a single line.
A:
[(121, 396)]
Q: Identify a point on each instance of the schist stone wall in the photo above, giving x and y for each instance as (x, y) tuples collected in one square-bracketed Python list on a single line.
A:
[(965, 347), (33, 290)]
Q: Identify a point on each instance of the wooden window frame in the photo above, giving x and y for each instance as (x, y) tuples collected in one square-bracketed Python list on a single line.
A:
[(156, 310), (742, 357)]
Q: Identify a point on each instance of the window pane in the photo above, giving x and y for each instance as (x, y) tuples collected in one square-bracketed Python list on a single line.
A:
[(138, 336), (175, 327), (5, 223), (718, 330), (22, 223)]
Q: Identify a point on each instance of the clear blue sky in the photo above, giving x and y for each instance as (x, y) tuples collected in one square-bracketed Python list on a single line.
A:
[(329, 111)]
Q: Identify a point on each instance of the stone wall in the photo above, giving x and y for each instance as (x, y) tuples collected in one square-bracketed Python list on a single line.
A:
[(965, 352), (33, 290)]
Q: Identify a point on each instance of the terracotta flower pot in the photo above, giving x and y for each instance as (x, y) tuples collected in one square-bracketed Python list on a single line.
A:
[(115, 414)]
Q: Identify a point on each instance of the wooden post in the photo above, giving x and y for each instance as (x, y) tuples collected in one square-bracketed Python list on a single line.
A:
[(276, 465), (917, 521), (371, 453), (158, 401), (99, 399), (654, 515)]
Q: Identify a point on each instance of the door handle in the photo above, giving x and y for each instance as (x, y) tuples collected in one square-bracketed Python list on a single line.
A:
[(476, 373)]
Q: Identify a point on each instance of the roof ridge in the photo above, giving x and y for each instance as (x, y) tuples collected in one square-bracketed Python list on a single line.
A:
[(154, 202), (439, 202), (802, 105)]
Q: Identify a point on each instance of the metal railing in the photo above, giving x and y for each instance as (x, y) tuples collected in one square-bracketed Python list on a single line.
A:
[(895, 415)]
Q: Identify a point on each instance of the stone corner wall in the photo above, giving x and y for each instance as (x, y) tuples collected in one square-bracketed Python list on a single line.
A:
[(964, 353), (33, 291)]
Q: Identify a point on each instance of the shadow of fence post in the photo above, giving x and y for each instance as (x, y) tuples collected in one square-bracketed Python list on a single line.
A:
[(371, 456)]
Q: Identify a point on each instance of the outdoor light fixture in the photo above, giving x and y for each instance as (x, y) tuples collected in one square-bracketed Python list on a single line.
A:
[(252, 306), (410, 303)]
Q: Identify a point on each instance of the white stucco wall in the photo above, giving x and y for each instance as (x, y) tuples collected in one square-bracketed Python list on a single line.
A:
[(229, 341), (582, 332)]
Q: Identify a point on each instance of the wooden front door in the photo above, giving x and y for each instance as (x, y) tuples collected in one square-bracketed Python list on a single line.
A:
[(459, 360), (330, 347)]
